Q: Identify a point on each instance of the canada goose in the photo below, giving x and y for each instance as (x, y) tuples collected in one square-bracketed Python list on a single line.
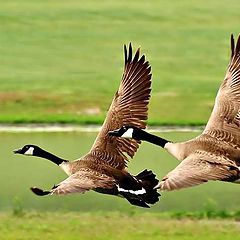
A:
[(214, 154), (103, 169)]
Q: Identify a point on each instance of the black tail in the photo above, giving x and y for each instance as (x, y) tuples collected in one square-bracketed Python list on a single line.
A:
[(139, 190)]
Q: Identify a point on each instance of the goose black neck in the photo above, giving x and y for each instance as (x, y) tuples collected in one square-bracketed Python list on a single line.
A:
[(148, 137), (47, 155)]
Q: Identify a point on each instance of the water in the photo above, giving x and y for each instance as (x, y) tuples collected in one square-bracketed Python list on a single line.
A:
[(19, 173)]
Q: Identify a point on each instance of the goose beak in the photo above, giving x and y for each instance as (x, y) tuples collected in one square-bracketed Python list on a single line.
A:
[(17, 151), (114, 133)]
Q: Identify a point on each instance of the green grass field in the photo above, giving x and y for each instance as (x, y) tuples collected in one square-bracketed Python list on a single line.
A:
[(34, 226), (62, 61)]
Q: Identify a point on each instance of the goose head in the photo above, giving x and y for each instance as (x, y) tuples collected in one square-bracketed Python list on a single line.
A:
[(127, 132), (30, 150)]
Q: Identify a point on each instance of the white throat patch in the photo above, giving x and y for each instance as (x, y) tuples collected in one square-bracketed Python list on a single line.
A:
[(29, 151), (128, 133)]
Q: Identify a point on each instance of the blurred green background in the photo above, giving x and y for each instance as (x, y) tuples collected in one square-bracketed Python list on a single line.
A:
[(62, 61)]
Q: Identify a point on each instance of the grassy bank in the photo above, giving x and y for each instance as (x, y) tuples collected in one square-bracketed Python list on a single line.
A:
[(113, 226), (62, 61)]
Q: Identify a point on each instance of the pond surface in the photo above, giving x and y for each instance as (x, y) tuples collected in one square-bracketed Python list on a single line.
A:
[(19, 173)]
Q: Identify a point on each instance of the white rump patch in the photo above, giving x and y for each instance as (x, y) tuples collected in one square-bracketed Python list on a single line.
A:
[(136, 192), (29, 151), (128, 133)]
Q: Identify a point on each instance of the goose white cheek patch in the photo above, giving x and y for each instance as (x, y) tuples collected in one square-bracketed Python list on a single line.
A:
[(29, 151), (128, 133)]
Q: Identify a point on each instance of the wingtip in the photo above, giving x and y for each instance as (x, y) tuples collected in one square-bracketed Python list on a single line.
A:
[(125, 53), (130, 45), (142, 59), (232, 45), (237, 48), (137, 54), (130, 52)]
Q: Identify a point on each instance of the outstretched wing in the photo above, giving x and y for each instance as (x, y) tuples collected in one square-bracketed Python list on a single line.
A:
[(197, 169), (129, 107), (83, 181), (224, 122)]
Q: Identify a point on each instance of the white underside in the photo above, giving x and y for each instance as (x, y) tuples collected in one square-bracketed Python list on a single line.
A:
[(137, 192)]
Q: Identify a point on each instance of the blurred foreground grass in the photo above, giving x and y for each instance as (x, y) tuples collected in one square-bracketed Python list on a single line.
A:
[(62, 61), (76, 225)]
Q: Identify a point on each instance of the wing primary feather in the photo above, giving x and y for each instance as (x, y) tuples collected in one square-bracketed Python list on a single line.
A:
[(142, 59), (129, 106), (125, 55), (232, 45), (135, 59), (237, 50), (130, 53), (131, 72), (138, 73)]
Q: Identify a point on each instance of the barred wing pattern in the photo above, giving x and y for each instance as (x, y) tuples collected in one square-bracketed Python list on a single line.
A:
[(224, 122), (196, 169), (129, 107)]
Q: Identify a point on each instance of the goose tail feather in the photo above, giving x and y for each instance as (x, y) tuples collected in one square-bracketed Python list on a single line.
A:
[(139, 190)]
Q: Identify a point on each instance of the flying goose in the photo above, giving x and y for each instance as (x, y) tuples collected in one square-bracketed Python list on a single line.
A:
[(214, 154), (103, 168)]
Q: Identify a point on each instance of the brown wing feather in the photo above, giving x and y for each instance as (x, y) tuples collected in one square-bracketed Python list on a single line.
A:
[(224, 122), (129, 107), (83, 181), (194, 170)]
